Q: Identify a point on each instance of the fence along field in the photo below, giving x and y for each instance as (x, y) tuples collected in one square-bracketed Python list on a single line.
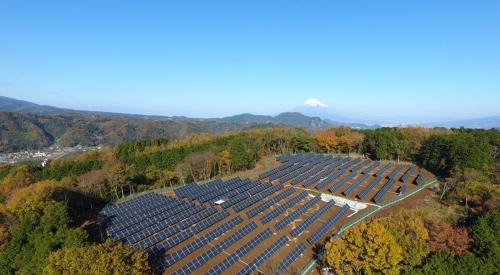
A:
[(269, 224)]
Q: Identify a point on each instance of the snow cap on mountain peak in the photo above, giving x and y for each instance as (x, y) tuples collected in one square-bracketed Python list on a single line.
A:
[(313, 102)]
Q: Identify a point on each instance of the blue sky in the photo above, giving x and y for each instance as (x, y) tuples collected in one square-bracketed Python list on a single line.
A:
[(387, 59)]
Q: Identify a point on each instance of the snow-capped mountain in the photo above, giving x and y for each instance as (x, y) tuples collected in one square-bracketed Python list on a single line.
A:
[(315, 108)]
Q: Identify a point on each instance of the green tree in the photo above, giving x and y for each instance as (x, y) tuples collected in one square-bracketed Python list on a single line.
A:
[(42, 229), (385, 143), (486, 235)]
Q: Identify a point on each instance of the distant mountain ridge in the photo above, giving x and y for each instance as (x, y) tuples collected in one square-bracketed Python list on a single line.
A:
[(292, 119), (476, 123), (26, 125)]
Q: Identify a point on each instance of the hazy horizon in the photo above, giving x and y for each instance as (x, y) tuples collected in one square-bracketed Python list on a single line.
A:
[(422, 61)]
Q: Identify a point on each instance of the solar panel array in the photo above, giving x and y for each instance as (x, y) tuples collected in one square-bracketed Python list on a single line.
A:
[(282, 208), (355, 185), (341, 182), (234, 257), (214, 251), (383, 170), (371, 167), (191, 218), (395, 172), (380, 194), (265, 205), (342, 169), (254, 199), (291, 257), (313, 171), (408, 174), (246, 194), (271, 250), (314, 238), (159, 224), (120, 229), (295, 214), (159, 247), (198, 243), (420, 179), (369, 187), (309, 220)]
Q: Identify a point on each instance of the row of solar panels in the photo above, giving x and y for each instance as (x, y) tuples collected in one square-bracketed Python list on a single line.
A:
[(343, 167), (298, 162)]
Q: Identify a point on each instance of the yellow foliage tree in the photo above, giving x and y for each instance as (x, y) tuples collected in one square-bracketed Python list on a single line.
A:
[(32, 195), (411, 234), (105, 258), (225, 162), (340, 139), (364, 248), (18, 177)]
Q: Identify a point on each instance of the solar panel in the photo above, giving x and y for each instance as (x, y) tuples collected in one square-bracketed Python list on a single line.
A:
[(238, 198), (355, 185), (282, 208), (395, 172), (408, 174), (234, 257), (163, 232), (361, 165), (369, 187), (340, 183), (265, 205), (309, 220), (254, 199), (402, 189), (295, 214), (113, 229), (292, 257), (171, 242), (371, 167), (313, 239), (202, 225), (198, 243), (172, 229), (333, 165), (311, 172), (329, 179), (381, 171), (151, 226), (383, 190), (212, 252), (271, 250), (420, 179)]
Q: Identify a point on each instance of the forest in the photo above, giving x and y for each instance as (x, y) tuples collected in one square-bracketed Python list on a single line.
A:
[(48, 213)]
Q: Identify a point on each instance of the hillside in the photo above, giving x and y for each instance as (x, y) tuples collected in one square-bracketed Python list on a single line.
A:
[(26, 125), (21, 131), (292, 119)]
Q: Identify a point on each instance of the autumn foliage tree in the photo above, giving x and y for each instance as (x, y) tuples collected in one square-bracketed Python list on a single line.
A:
[(445, 237), (104, 258), (364, 248), (339, 140), (411, 234)]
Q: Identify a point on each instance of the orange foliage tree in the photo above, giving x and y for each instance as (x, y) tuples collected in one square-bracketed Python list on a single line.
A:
[(445, 237), (339, 140)]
